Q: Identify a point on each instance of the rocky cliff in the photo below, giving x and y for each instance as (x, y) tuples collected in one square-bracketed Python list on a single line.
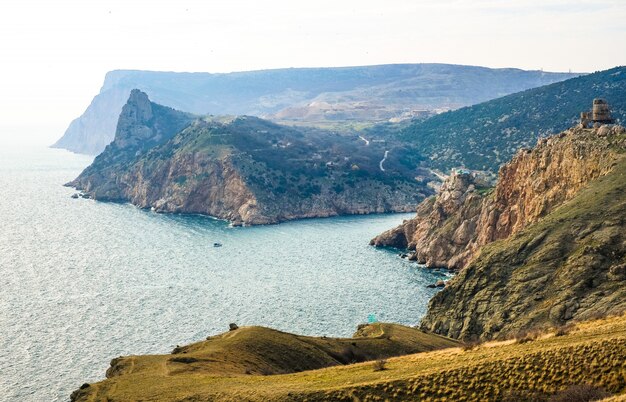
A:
[(449, 229), (549, 244), (248, 170), (141, 126)]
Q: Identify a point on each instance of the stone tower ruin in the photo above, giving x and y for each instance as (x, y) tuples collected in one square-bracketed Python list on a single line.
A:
[(600, 114)]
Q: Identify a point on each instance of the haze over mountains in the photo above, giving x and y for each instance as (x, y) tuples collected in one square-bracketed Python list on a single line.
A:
[(301, 95)]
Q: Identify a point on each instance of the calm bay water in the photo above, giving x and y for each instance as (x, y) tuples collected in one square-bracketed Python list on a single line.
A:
[(82, 282)]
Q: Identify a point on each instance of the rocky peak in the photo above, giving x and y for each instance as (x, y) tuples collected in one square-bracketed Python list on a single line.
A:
[(453, 192), (139, 106), (133, 124)]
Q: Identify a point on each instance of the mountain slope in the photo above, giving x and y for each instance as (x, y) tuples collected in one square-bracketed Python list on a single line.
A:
[(590, 354), (569, 263), (249, 170), (484, 136), (370, 93)]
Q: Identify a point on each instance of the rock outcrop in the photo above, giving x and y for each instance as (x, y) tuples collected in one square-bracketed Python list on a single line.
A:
[(450, 229), (247, 170), (550, 240), (141, 126)]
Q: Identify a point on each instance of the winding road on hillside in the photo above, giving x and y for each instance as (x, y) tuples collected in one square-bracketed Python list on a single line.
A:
[(383, 160)]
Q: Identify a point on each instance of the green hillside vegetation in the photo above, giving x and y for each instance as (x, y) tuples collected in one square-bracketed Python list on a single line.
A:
[(278, 159), (589, 353), (570, 264), (486, 135)]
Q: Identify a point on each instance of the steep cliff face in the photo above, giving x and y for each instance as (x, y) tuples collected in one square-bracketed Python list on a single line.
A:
[(141, 126), (191, 183), (248, 170), (449, 230), (557, 217)]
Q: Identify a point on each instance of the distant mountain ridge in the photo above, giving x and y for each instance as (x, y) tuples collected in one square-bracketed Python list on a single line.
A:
[(374, 93), (486, 135)]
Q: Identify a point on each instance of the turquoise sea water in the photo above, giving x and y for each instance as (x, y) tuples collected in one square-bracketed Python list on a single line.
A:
[(82, 282)]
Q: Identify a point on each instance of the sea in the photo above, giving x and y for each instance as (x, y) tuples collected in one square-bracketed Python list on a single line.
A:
[(82, 281)]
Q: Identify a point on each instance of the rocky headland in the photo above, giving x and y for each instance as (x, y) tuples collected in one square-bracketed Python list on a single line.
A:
[(306, 95), (248, 170)]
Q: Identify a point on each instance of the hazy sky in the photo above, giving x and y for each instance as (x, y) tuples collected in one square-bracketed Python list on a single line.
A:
[(55, 53)]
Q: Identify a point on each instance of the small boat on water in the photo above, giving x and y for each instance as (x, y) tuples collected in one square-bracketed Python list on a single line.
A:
[(217, 244)]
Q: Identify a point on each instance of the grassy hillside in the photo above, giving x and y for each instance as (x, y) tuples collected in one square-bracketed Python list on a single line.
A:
[(592, 353), (486, 135)]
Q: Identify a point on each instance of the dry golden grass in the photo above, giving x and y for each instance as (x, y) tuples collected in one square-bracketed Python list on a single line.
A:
[(592, 353)]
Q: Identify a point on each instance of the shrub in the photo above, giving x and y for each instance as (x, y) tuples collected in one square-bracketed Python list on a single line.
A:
[(348, 356), (471, 344), (580, 393), (564, 329), (380, 365), (186, 360), (526, 336)]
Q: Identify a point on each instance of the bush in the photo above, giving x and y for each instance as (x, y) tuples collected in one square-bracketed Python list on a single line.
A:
[(564, 329), (471, 345), (580, 393), (348, 356), (380, 365), (186, 360), (526, 336)]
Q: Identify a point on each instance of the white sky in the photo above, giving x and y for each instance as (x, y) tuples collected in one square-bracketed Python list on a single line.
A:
[(54, 54)]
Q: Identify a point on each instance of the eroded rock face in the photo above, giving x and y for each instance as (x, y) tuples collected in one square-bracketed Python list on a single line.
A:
[(192, 183), (432, 245), (450, 230), (557, 248)]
